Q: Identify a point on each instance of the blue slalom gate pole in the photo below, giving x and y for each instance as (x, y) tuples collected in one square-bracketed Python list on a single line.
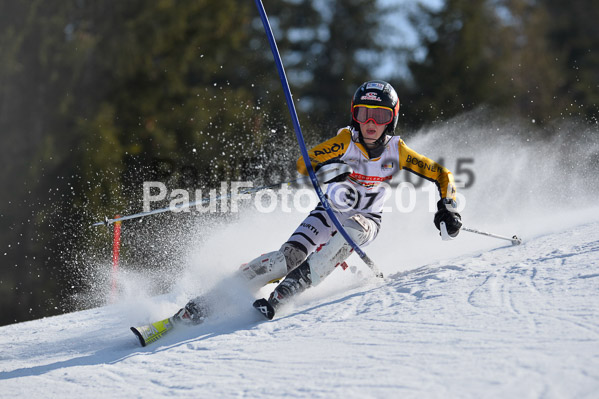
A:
[(302, 143)]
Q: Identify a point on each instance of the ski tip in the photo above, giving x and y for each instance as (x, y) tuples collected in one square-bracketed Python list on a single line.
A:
[(264, 307), (516, 240), (142, 341)]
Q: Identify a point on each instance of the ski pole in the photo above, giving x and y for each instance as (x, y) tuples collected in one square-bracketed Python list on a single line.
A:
[(180, 207), (446, 237), (515, 240)]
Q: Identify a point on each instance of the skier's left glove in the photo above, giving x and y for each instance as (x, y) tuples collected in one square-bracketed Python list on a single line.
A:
[(332, 171), (446, 213)]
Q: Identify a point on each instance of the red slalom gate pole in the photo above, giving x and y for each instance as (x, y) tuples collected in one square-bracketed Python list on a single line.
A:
[(116, 247)]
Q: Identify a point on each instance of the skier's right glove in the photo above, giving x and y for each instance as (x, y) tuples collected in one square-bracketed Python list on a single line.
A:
[(332, 171), (445, 213)]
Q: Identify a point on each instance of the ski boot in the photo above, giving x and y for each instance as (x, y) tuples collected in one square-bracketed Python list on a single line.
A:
[(193, 313), (296, 282)]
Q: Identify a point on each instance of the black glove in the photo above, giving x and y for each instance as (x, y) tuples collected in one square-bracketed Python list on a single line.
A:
[(452, 219), (328, 167)]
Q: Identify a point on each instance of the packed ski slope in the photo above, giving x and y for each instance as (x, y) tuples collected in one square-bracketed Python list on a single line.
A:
[(470, 318), (508, 322)]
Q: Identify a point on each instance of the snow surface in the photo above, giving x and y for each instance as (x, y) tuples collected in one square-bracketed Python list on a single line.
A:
[(510, 322), (470, 318)]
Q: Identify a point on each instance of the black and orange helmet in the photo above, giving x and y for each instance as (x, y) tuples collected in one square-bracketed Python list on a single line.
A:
[(375, 100)]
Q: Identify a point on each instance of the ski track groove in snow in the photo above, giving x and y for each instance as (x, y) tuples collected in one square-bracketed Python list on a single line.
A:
[(511, 322)]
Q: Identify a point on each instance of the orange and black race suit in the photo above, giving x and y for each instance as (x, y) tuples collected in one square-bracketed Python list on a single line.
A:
[(368, 182)]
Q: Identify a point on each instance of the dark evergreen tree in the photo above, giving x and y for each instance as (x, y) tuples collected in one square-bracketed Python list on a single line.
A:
[(459, 71), (534, 59), (329, 49), (97, 97), (573, 35)]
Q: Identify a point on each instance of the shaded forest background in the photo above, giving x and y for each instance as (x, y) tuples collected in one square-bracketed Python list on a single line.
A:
[(97, 97)]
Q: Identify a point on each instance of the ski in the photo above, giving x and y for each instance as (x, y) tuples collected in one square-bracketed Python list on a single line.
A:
[(152, 332), (264, 307)]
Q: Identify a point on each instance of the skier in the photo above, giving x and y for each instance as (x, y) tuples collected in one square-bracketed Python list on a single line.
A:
[(366, 155)]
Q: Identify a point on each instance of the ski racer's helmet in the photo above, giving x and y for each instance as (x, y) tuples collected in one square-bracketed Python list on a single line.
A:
[(373, 100)]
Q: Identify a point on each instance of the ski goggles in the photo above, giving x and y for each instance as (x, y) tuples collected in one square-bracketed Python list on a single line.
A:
[(366, 113)]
